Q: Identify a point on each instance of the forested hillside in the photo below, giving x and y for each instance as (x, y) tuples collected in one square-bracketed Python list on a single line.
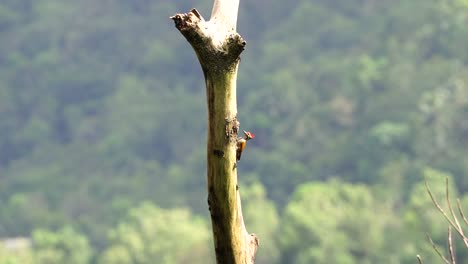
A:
[(353, 103)]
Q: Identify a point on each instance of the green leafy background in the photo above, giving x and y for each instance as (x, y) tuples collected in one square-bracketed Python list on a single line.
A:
[(353, 103)]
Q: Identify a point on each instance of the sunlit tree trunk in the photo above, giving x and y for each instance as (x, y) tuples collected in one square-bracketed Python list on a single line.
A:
[(218, 47)]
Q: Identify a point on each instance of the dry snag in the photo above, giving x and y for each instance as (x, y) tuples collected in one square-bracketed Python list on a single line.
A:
[(218, 47)]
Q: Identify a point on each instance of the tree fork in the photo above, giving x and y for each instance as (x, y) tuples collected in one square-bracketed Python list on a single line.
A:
[(218, 48)]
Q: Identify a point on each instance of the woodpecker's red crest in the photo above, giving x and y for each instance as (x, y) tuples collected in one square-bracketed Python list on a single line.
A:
[(248, 135)]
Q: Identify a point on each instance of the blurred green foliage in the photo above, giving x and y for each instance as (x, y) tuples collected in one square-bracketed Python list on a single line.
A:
[(181, 237), (334, 223), (64, 246), (354, 104)]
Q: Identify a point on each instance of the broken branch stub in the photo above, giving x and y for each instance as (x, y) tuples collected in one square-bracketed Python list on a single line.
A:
[(215, 49)]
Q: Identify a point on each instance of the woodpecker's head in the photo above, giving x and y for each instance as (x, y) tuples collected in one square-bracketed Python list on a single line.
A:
[(248, 135)]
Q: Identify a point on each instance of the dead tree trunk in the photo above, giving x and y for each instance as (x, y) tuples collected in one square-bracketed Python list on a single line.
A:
[(218, 47)]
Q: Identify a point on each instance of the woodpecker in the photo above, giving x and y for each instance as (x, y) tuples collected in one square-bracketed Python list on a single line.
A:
[(241, 142)]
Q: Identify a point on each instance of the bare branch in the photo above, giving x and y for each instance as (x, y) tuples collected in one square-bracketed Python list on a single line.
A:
[(461, 212), (437, 249), (447, 195), (419, 259), (437, 205), (450, 245)]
